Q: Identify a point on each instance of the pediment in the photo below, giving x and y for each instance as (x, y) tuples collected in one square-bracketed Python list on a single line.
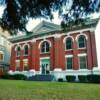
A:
[(45, 27)]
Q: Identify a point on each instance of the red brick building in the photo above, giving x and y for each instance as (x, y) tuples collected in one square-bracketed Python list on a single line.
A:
[(50, 50)]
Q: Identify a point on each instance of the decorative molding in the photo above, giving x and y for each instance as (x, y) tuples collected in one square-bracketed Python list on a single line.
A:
[(44, 41), (17, 60), (81, 34), (44, 58), (18, 45), (68, 56), (26, 44), (65, 38), (57, 35), (82, 54)]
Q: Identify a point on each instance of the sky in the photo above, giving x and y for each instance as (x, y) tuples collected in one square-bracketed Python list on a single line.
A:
[(33, 22)]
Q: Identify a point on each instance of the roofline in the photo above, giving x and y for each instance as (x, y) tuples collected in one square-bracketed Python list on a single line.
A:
[(14, 40)]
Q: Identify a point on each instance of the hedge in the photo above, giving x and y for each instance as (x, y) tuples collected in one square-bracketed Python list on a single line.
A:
[(70, 78), (60, 80), (15, 76), (93, 78), (82, 78)]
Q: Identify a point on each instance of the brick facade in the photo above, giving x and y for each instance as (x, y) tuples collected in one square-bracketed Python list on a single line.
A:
[(57, 52)]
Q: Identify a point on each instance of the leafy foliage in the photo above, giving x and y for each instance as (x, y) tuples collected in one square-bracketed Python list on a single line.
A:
[(18, 12)]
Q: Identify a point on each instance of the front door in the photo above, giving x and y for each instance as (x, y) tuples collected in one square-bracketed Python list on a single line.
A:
[(45, 66)]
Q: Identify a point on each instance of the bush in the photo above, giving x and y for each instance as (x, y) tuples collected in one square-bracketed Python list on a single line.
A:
[(6, 76), (60, 80), (83, 78), (15, 76), (70, 78), (93, 78), (19, 77)]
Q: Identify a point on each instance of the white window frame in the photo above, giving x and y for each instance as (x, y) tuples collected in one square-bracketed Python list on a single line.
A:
[(82, 55), (16, 50), (17, 61), (69, 56), (24, 49), (77, 38), (45, 47), (64, 41), (3, 55), (25, 60)]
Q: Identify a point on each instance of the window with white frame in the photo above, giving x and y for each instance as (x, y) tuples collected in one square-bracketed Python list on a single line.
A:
[(1, 56), (81, 41), (68, 43), (83, 62), (18, 51), (26, 50), (45, 47), (17, 65), (69, 62), (25, 64)]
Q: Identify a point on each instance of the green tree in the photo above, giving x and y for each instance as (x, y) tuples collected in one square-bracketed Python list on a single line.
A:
[(18, 12)]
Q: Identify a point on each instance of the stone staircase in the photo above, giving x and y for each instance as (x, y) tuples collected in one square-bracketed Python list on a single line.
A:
[(42, 78)]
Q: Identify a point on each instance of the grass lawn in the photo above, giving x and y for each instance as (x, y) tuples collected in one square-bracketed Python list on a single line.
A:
[(29, 90)]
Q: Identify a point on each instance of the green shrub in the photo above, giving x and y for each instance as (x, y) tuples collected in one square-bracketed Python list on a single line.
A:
[(6, 76), (83, 78), (93, 78), (19, 77), (70, 78), (15, 76), (60, 80)]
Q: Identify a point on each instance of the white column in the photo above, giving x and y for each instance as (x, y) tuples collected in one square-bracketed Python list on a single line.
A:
[(97, 38)]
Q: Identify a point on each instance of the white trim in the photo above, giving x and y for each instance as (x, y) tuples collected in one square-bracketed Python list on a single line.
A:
[(3, 55), (18, 45), (26, 44), (66, 37), (64, 41), (55, 35), (2, 52), (17, 60), (44, 58), (77, 37), (81, 30), (25, 60), (44, 41), (68, 56), (82, 54)]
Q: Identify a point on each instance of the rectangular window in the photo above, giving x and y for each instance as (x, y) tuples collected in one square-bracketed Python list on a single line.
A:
[(83, 62), (17, 65), (1, 56), (25, 64), (69, 63)]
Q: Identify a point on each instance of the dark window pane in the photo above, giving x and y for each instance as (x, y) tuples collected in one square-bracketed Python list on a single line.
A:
[(18, 51), (45, 47), (69, 63), (82, 42), (26, 50), (83, 62), (69, 43)]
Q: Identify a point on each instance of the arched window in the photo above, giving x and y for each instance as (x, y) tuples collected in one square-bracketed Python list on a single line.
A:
[(81, 41), (26, 50), (45, 47), (18, 51), (68, 43)]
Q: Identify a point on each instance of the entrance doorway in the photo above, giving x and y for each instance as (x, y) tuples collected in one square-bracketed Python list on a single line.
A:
[(45, 66)]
